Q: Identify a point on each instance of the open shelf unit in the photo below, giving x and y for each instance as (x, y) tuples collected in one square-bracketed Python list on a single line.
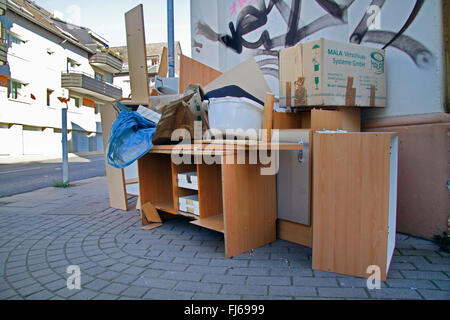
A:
[(162, 190)]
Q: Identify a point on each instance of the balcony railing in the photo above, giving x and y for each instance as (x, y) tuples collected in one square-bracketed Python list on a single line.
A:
[(81, 80), (106, 61), (3, 51)]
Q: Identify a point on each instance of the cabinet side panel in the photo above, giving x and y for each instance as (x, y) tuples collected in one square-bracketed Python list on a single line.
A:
[(351, 202), (393, 188), (210, 190), (155, 175)]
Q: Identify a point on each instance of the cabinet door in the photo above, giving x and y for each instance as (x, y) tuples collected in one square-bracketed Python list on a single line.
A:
[(293, 187), (294, 179)]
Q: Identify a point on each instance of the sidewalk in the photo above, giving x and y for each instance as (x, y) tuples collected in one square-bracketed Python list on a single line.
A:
[(44, 232), (73, 157)]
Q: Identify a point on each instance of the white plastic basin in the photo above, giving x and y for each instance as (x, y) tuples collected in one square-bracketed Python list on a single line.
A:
[(236, 114)]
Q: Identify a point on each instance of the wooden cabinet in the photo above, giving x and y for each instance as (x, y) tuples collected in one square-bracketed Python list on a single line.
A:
[(354, 202), (234, 199)]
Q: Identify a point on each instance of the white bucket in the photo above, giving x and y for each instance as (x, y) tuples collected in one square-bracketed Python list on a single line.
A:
[(237, 114)]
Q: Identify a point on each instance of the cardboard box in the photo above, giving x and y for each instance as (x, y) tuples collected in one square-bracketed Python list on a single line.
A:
[(188, 180), (190, 204), (330, 73)]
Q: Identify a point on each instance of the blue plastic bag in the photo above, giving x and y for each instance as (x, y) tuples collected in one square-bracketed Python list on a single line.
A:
[(131, 138)]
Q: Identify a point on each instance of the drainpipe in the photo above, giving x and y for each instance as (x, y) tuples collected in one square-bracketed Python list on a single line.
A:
[(170, 42)]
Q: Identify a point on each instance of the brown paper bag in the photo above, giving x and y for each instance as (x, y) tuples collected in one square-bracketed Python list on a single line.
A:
[(176, 115)]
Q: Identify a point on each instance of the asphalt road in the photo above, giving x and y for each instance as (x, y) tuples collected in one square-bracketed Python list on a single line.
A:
[(21, 178)]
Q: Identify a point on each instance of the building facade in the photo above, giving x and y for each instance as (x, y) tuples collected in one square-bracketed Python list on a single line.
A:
[(43, 60)]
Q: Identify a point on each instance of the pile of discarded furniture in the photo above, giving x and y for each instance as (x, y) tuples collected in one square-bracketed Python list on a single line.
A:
[(300, 169)]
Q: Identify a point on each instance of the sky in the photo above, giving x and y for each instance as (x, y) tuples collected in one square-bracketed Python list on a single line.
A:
[(106, 18)]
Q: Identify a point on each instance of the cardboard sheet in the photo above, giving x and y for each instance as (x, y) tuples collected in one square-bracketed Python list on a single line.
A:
[(246, 75)]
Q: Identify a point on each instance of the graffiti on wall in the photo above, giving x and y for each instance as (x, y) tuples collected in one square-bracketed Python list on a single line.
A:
[(254, 16)]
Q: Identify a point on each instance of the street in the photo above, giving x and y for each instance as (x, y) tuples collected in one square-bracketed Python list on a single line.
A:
[(21, 178)]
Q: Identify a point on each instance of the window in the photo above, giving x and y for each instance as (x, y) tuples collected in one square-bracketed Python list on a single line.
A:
[(72, 65), (98, 76), (13, 39), (15, 89), (74, 101), (152, 61), (49, 93), (97, 107)]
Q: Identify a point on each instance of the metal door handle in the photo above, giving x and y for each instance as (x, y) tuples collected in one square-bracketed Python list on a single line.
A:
[(300, 152)]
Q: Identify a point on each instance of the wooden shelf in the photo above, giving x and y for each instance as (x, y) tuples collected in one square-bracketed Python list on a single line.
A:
[(166, 207), (189, 215), (132, 181), (221, 147), (213, 223)]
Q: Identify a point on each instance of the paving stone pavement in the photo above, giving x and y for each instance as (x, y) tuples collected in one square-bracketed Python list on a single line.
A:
[(44, 232)]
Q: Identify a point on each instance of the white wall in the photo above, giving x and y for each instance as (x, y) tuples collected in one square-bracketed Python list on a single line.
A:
[(124, 83), (415, 85)]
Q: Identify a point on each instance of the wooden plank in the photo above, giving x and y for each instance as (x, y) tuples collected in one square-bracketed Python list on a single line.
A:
[(210, 190), (268, 116), (213, 223), (115, 177), (150, 213), (137, 55), (351, 202), (188, 215), (306, 119), (287, 120), (132, 181), (164, 64), (166, 207), (194, 72), (348, 119), (225, 145), (152, 226), (250, 208), (294, 232)]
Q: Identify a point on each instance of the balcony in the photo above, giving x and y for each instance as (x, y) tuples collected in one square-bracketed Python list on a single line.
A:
[(3, 52), (107, 62), (86, 84)]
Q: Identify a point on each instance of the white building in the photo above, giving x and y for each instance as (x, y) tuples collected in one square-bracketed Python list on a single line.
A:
[(43, 59)]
